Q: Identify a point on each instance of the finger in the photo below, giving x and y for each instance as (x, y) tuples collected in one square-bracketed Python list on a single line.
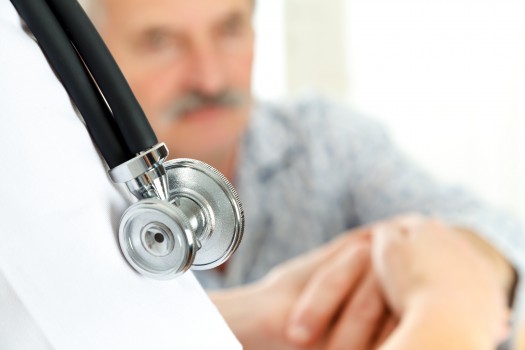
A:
[(324, 293), (390, 250), (333, 248), (408, 221), (301, 267), (336, 246), (360, 234), (360, 319), (388, 326), (387, 244)]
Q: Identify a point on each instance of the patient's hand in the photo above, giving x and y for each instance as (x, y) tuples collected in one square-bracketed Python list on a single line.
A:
[(447, 294), (258, 313)]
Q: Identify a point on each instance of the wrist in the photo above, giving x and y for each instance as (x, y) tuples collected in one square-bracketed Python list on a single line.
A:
[(506, 273), (438, 321), (238, 310)]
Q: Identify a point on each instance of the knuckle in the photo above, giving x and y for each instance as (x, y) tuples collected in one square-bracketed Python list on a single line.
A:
[(368, 310), (312, 314), (409, 219), (361, 252)]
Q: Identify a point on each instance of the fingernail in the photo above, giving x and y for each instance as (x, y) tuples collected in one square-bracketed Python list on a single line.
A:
[(298, 334)]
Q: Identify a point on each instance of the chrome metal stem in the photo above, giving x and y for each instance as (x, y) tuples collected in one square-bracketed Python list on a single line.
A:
[(144, 175)]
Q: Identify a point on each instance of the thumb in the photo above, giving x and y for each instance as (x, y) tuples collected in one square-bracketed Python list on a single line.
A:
[(388, 243), (389, 261)]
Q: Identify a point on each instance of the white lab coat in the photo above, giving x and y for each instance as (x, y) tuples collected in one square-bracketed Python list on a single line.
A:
[(63, 281)]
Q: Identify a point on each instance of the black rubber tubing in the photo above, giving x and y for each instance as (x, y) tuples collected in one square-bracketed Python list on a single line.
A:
[(67, 65), (127, 112)]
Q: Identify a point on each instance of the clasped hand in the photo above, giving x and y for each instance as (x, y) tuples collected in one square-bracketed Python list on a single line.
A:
[(354, 292)]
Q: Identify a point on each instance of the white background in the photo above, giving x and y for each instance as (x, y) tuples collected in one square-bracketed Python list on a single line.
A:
[(447, 77)]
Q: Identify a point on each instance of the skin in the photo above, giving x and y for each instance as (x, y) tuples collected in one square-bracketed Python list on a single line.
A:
[(263, 324), (416, 264), (342, 301), (169, 49), (520, 342), (372, 323)]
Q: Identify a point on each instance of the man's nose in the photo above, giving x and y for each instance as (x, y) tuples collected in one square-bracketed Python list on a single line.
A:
[(207, 73)]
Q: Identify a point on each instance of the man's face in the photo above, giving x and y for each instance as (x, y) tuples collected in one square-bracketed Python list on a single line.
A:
[(189, 64)]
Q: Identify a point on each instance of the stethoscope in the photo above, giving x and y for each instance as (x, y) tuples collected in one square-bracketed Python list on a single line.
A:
[(187, 215)]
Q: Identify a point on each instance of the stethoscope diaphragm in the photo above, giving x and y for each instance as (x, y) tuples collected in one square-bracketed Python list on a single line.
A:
[(156, 239), (200, 225), (212, 206)]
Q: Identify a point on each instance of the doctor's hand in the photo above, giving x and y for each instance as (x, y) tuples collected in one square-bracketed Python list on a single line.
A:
[(341, 304), (257, 313), (262, 317), (447, 294)]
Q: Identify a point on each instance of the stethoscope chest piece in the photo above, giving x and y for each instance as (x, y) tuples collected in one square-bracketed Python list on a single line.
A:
[(157, 239), (199, 226), (212, 207), (187, 215)]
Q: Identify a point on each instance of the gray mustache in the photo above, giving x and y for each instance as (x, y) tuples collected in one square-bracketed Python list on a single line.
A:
[(196, 100)]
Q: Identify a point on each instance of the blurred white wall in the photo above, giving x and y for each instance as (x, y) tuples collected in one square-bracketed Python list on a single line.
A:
[(269, 80), (447, 77)]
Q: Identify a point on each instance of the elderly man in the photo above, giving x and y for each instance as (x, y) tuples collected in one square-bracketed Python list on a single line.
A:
[(307, 172)]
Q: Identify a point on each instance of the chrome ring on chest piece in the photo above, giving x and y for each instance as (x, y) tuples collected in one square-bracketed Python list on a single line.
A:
[(198, 225)]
